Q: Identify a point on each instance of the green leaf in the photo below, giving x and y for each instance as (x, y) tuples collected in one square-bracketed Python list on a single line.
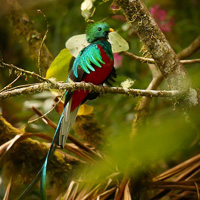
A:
[(162, 139), (60, 66)]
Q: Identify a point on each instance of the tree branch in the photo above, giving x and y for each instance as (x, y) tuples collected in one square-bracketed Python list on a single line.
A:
[(163, 55), (188, 51), (165, 58), (10, 84), (142, 106), (152, 61), (23, 71), (71, 87)]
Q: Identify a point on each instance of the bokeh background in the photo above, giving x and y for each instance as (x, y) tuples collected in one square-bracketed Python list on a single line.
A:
[(179, 21)]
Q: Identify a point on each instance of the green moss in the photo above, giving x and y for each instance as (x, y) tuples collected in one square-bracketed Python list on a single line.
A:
[(88, 129), (23, 161)]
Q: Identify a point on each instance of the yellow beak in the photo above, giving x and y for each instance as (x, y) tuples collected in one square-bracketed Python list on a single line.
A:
[(111, 30)]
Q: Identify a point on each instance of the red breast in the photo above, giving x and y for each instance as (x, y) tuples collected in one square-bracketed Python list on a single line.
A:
[(97, 77)]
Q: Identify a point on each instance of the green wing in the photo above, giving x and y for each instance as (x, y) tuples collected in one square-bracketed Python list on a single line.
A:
[(88, 56)]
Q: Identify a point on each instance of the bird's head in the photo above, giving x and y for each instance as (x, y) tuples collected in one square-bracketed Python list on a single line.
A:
[(98, 30)]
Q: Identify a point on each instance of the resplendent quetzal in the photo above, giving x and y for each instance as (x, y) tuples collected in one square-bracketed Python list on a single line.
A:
[(94, 64)]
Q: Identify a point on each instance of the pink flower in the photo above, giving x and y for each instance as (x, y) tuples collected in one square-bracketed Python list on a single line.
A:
[(117, 60), (119, 17), (114, 6), (164, 22)]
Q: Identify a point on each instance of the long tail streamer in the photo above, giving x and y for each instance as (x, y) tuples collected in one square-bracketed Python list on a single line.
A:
[(43, 170)]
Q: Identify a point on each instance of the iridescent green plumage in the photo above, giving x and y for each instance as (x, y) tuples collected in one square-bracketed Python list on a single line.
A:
[(91, 54), (96, 31), (86, 57)]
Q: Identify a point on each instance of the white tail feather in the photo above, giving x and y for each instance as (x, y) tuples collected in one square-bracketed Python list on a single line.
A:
[(66, 123)]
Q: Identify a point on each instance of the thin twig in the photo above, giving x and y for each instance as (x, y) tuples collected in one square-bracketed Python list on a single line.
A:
[(188, 173), (197, 188), (6, 196), (143, 104), (192, 61), (175, 170), (183, 171), (182, 195), (141, 59), (33, 120), (43, 39), (122, 186), (192, 48), (151, 60), (175, 186), (19, 86), (10, 84), (13, 67), (71, 87)]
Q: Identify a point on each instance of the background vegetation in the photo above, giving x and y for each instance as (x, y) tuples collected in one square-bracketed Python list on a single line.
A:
[(166, 136)]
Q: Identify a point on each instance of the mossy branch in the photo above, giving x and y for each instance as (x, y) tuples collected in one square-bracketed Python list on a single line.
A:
[(71, 87), (164, 56)]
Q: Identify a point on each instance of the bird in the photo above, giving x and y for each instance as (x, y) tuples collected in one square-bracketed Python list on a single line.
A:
[(94, 64)]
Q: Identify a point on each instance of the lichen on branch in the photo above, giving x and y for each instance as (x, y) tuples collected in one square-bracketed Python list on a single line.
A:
[(71, 87), (164, 56)]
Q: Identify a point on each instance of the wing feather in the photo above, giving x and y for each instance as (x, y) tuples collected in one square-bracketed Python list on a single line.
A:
[(84, 66), (87, 62), (75, 65), (94, 61), (88, 56), (97, 55)]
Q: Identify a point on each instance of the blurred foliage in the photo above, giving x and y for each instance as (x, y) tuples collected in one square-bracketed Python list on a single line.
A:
[(115, 113), (146, 149)]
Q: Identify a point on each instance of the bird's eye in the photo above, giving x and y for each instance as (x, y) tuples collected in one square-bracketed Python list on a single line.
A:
[(99, 29)]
